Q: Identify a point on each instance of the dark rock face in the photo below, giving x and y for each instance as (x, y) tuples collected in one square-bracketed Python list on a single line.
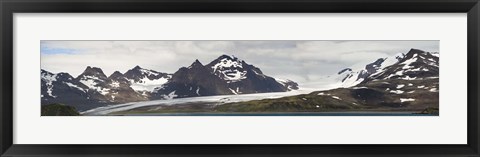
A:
[(195, 80), (344, 70), (93, 71), (373, 67), (224, 75)]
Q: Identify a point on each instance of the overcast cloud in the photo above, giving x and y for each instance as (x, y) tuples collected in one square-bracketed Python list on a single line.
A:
[(301, 61)]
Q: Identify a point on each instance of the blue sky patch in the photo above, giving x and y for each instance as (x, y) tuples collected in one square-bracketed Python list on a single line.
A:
[(49, 50)]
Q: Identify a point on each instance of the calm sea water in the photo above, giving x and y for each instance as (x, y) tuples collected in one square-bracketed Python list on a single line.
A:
[(287, 114)]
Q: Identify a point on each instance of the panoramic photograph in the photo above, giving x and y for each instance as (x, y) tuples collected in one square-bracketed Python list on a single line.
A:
[(239, 78)]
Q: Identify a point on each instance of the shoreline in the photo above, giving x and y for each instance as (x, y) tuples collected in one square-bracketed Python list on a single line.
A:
[(332, 113)]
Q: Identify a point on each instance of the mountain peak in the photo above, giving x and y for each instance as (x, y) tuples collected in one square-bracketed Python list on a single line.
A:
[(93, 71), (137, 67), (44, 71), (196, 63), (227, 56), (414, 51), (116, 74)]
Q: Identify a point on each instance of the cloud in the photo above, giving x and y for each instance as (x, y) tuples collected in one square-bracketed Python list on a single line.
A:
[(296, 60)]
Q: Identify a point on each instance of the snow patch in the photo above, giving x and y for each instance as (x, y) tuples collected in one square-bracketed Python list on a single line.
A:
[(336, 97), (400, 86), (359, 88), (225, 66), (49, 79), (408, 78), (233, 91), (406, 99), (75, 86), (321, 93), (146, 84), (91, 82), (396, 91), (115, 84), (409, 61), (170, 96)]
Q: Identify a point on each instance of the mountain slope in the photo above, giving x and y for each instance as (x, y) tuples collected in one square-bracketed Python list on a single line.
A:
[(350, 77), (194, 80), (120, 90), (145, 80), (63, 88)]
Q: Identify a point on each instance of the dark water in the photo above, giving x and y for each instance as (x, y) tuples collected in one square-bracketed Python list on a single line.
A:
[(287, 114)]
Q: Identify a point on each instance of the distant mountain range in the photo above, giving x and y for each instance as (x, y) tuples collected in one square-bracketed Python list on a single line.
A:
[(223, 76), (406, 82)]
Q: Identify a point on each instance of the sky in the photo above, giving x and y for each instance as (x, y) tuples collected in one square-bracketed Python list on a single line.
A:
[(301, 61)]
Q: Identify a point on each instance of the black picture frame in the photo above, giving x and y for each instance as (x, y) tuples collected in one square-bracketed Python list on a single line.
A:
[(9, 7)]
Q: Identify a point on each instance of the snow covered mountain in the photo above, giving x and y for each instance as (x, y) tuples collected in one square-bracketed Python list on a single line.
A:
[(224, 75), (415, 64), (242, 77), (63, 88), (352, 76), (92, 87), (113, 89)]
